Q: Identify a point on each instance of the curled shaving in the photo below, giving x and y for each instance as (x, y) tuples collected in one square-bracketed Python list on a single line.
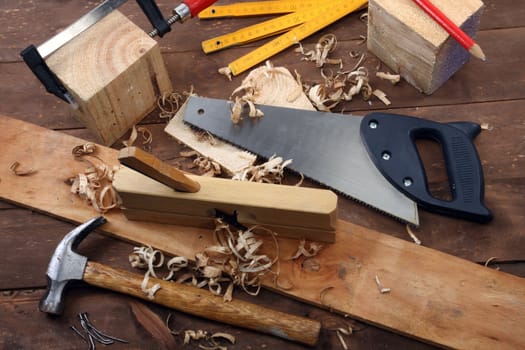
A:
[(271, 171), (94, 185)]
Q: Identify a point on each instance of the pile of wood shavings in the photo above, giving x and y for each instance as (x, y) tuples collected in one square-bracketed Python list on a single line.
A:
[(94, 185), (235, 260), (343, 85), (269, 85), (319, 55), (170, 102), (271, 171)]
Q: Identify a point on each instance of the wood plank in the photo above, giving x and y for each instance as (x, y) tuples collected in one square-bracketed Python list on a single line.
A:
[(435, 297)]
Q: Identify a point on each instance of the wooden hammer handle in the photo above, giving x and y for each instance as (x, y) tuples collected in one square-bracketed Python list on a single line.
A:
[(199, 302), (149, 165)]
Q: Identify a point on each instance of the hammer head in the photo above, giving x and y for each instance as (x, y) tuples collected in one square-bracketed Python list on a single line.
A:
[(66, 265)]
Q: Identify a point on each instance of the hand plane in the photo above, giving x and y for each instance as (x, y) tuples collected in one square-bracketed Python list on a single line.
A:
[(152, 190)]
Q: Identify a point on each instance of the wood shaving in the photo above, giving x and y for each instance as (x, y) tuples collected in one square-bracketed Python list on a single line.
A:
[(271, 171), (205, 166), (147, 137), (169, 103), (393, 78), (21, 172), (212, 340), (319, 55), (341, 340), (341, 87), (491, 261), (381, 96), (343, 331), (226, 71), (85, 149), (94, 185), (147, 258), (412, 235), (486, 126), (190, 335), (382, 289), (313, 249)]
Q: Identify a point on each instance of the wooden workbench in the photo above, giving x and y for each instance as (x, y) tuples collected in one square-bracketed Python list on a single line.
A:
[(492, 92)]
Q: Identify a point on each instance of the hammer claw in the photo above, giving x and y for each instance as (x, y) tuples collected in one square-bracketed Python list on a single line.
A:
[(66, 265)]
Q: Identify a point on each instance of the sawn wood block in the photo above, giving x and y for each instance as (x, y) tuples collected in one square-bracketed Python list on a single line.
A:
[(412, 44), (115, 72), (292, 211)]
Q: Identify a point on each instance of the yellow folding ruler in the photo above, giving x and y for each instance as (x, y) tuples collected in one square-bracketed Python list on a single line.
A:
[(303, 19)]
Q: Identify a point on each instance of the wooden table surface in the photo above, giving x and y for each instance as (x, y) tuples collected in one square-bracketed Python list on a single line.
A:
[(491, 92)]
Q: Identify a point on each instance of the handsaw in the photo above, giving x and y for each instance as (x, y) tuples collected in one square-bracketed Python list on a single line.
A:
[(304, 21), (372, 159)]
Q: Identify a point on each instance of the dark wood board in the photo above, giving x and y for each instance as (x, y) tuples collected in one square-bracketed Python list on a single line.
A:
[(491, 92)]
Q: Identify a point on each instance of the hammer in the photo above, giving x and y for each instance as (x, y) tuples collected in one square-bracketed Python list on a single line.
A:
[(66, 265)]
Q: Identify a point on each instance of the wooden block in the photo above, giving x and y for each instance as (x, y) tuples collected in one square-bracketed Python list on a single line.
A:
[(412, 44), (305, 209), (115, 72)]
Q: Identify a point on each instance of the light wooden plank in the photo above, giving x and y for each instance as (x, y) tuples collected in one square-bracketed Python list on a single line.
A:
[(434, 297)]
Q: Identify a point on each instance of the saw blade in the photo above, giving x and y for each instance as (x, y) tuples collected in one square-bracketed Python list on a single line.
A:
[(78, 27), (325, 147)]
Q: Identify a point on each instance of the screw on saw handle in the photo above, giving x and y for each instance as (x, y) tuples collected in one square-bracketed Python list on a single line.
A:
[(390, 141), (188, 8)]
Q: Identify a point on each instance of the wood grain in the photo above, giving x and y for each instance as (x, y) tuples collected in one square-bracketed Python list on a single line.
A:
[(115, 72), (413, 45), (202, 303), (151, 166), (434, 297), (253, 203)]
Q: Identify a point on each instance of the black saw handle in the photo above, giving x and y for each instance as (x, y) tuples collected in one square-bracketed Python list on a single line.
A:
[(390, 141)]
